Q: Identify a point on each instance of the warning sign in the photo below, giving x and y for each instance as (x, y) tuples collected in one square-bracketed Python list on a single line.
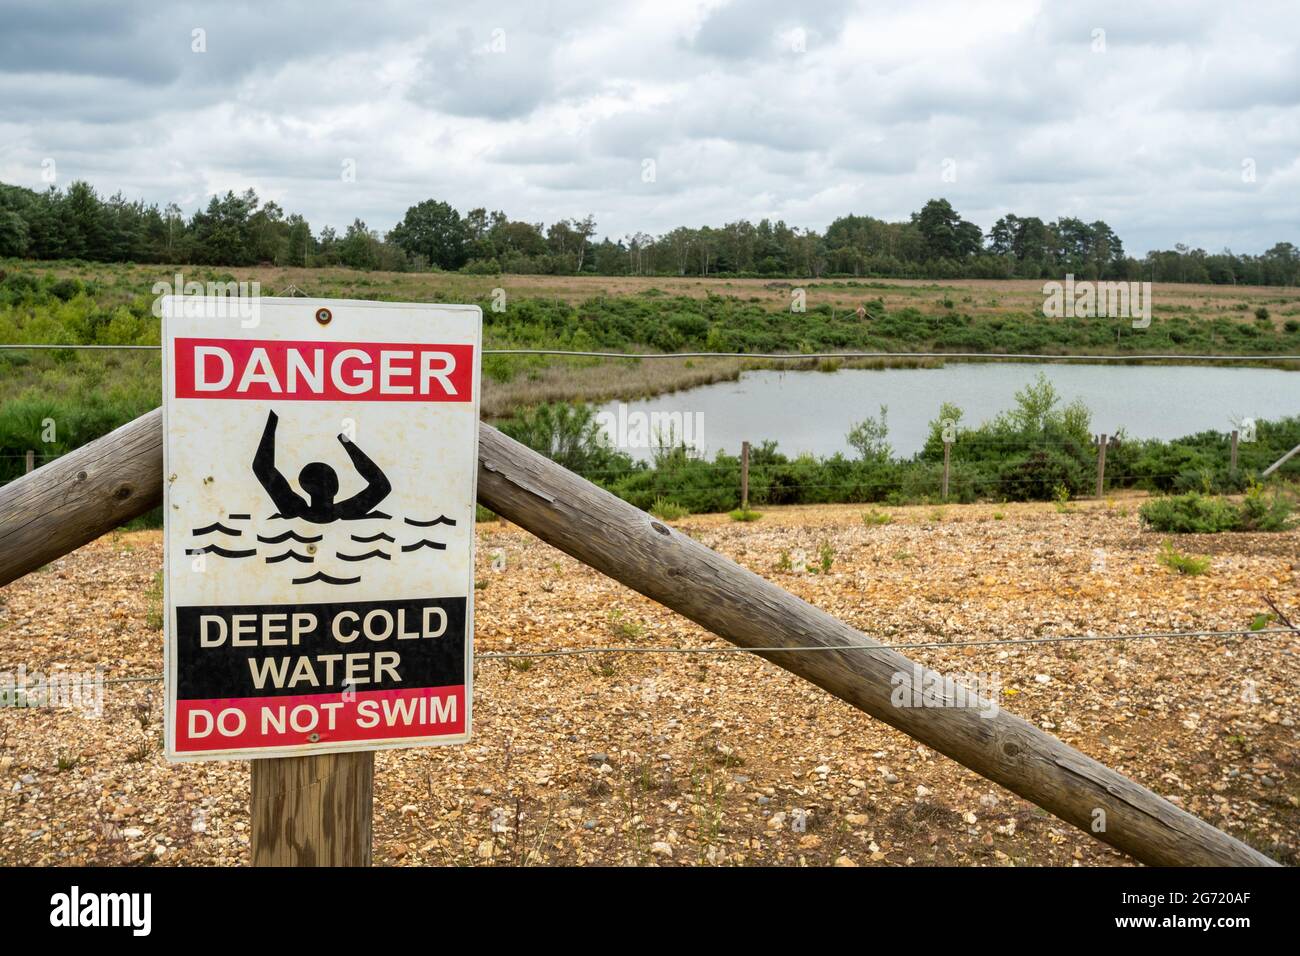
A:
[(320, 460)]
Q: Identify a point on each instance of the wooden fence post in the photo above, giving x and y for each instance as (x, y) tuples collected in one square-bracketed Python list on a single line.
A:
[(31, 461), (947, 457), (313, 811), (1101, 463), (1232, 467), (744, 476)]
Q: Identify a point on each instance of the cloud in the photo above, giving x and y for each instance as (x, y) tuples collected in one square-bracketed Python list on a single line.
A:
[(748, 108)]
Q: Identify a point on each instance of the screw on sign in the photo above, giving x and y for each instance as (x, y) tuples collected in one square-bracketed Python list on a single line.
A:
[(324, 465)]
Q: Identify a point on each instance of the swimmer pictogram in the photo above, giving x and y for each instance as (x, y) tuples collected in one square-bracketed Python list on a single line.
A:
[(317, 505), (320, 482)]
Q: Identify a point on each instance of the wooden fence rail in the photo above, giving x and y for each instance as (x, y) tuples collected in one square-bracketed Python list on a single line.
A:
[(92, 490)]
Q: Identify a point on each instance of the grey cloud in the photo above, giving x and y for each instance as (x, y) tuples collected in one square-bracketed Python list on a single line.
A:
[(1148, 135), (462, 74), (743, 29)]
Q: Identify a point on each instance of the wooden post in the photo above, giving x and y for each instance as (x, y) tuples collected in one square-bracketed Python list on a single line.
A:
[(744, 476), (67, 503), (1232, 467), (313, 811), (947, 457), (31, 461), (81, 495), (1101, 463)]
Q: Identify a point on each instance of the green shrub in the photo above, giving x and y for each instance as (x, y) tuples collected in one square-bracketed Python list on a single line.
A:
[(666, 510), (1182, 563), (1189, 514), (1194, 513), (825, 557), (1264, 512)]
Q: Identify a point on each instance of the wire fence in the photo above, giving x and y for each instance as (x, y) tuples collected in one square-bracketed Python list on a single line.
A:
[(793, 356), (784, 487), (1266, 632)]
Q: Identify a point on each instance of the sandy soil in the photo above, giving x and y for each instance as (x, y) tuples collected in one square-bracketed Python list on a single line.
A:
[(717, 759)]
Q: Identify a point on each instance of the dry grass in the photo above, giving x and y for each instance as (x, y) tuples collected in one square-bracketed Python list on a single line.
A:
[(972, 296)]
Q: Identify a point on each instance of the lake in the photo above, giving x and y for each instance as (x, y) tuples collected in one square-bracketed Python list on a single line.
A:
[(811, 411)]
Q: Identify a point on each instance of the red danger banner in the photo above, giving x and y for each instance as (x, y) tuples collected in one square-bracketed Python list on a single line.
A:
[(261, 722), (323, 371)]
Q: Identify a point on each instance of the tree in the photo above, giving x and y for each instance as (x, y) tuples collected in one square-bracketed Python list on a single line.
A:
[(297, 242), (358, 249), (944, 234), (1002, 237), (515, 238), (585, 229), (267, 233), (679, 243), (1283, 262), (220, 235), (435, 231), (13, 234), (868, 437)]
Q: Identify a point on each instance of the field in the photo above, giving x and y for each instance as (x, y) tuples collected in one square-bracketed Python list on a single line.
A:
[(706, 759), (977, 296), (660, 314), (87, 393)]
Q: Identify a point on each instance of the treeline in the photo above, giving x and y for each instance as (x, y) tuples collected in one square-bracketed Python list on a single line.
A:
[(934, 243)]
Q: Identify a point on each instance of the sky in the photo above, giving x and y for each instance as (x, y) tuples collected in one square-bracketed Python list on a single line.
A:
[(1173, 122)]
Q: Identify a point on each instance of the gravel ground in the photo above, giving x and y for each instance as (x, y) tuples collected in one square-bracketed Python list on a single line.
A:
[(717, 759)]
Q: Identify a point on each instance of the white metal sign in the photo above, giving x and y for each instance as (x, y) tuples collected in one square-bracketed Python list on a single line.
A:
[(320, 464)]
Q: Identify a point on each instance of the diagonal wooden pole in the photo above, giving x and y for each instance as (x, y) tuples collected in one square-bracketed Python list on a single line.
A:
[(81, 495)]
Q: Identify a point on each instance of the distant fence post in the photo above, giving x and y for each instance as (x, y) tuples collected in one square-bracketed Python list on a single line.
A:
[(947, 458), (744, 476), (1101, 463), (31, 461), (1233, 466)]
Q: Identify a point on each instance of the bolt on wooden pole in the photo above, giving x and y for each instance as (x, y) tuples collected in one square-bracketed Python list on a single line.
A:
[(744, 476), (80, 496), (1101, 464), (1232, 466)]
